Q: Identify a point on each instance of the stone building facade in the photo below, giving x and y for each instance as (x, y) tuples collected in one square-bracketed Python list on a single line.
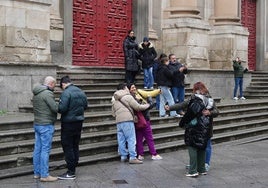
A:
[(36, 36)]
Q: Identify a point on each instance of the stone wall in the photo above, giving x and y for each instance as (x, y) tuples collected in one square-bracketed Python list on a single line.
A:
[(220, 83), (25, 31), (17, 81)]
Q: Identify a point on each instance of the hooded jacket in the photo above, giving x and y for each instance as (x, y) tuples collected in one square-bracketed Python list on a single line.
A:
[(120, 111), (44, 106), (147, 54)]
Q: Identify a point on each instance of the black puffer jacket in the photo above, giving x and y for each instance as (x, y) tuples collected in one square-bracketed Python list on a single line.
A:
[(131, 53), (164, 75), (147, 55), (196, 135), (73, 102), (178, 77)]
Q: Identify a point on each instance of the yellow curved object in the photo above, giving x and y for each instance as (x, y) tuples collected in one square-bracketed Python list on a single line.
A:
[(145, 94)]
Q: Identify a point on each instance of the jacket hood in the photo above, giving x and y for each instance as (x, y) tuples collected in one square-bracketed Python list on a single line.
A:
[(150, 45), (120, 93), (39, 89)]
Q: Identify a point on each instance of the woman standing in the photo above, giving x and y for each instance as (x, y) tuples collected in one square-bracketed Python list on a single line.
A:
[(131, 53), (144, 132), (198, 124)]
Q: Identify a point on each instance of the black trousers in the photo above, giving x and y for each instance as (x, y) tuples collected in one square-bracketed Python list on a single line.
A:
[(130, 76), (70, 138)]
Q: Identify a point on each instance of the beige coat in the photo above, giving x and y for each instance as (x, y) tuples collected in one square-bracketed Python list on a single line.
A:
[(122, 113)]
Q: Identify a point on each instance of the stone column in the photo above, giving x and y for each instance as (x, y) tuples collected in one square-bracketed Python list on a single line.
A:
[(228, 38), (183, 8), (185, 33), (226, 12), (151, 32)]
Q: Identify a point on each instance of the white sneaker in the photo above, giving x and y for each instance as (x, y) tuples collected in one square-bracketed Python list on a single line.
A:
[(156, 157), (235, 98), (192, 175), (141, 158), (243, 98)]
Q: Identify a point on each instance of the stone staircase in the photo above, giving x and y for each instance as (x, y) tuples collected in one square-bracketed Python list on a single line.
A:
[(258, 88), (98, 143)]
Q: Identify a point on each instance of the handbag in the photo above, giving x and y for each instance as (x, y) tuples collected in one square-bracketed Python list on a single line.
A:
[(138, 118)]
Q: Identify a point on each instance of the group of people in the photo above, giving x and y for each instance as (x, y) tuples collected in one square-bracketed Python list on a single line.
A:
[(197, 112), (166, 71), (71, 106), (125, 102)]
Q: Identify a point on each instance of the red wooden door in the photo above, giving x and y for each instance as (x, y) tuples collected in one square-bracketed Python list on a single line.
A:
[(99, 28), (248, 19)]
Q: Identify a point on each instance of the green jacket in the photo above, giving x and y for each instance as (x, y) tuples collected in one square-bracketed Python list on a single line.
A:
[(44, 106), (238, 70)]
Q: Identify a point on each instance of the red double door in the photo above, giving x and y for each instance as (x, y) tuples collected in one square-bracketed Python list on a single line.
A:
[(99, 28), (248, 19)]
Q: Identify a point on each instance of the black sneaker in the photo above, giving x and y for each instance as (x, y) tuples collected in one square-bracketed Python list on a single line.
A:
[(66, 176)]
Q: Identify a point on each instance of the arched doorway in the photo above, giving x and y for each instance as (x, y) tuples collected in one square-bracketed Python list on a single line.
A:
[(99, 28)]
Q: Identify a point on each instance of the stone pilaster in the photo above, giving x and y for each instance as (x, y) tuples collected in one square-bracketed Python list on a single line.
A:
[(228, 38), (24, 38), (185, 34)]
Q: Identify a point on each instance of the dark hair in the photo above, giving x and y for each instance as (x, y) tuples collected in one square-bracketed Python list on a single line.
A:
[(162, 55), (121, 86), (65, 79), (169, 56), (129, 85), (129, 31), (163, 60)]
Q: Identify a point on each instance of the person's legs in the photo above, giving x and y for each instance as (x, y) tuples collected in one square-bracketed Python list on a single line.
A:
[(193, 159), (46, 136), (151, 78), (201, 157), (241, 87), (76, 140), (148, 135), (166, 96), (181, 93), (175, 94), (146, 78), (37, 151), (208, 152), (121, 139), (130, 135), (139, 141), (67, 140), (236, 86)]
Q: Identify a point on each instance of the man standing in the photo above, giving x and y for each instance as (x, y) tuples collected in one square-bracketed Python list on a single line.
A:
[(45, 114), (178, 86), (147, 56), (72, 104), (238, 77)]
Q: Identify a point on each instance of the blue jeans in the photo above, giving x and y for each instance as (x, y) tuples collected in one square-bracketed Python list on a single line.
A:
[(42, 147), (208, 151), (238, 83), (126, 138), (178, 94), (165, 97), (148, 77)]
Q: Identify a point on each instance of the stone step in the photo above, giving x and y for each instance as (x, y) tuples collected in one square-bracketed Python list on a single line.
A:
[(163, 147)]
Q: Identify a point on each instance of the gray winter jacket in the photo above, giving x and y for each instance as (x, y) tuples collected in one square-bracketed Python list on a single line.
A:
[(44, 106), (121, 112)]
